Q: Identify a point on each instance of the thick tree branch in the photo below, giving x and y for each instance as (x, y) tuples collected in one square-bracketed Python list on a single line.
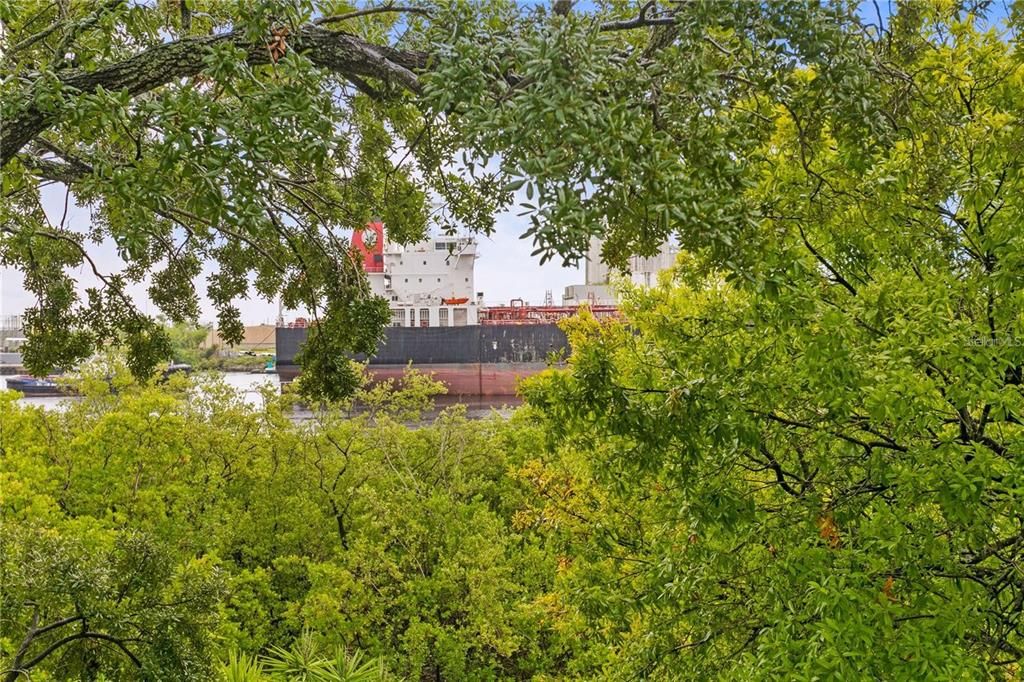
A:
[(642, 20), (341, 53), (58, 624), (52, 170), (35, 631)]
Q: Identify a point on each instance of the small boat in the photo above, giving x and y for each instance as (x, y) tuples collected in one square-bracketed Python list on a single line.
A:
[(37, 387), (454, 301), (177, 368)]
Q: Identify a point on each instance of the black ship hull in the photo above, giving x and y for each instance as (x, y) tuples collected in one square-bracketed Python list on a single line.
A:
[(485, 360)]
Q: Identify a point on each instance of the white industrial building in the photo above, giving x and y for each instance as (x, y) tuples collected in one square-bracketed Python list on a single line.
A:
[(642, 270)]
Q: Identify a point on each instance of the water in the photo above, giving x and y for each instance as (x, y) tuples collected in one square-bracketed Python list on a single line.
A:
[(248, 386), (51, 403)]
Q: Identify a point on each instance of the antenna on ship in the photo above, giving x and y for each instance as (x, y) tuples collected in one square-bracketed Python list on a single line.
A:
[(549, 300)]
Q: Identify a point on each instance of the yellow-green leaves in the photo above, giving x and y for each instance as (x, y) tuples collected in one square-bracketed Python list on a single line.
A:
[(836, 423)]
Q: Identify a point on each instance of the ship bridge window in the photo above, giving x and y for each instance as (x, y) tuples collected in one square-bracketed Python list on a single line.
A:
[(424, 317), (442, 317), (397, 317), (440, 246)]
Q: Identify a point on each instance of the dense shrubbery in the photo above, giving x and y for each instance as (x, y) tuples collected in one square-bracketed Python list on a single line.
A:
[(170, 529), (716, 491)]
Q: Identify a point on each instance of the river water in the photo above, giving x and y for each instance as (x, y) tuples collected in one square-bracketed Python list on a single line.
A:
[(248, 386)]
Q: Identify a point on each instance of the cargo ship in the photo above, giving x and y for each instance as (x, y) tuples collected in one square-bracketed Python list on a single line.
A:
[(440, 325)]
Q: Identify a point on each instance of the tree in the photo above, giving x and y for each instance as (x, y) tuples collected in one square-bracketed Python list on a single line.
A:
[(162, 531), (806, 458), (250, 138), (185, 340)]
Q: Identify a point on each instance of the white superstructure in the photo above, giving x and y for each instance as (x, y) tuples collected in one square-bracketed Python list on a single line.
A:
[(429, 283)]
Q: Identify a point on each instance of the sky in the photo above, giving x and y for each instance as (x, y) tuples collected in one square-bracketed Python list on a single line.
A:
[(504, 269)]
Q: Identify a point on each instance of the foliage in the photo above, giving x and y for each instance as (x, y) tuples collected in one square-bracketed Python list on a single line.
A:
[(174, 532), (353, 325), (638, 131), (185, 341), (212, 360), (799, 458), (303, 662), (242, 668), (249, 138), (807, 459), (236, 141)]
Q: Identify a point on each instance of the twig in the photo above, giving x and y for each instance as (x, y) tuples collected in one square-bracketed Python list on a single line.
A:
[(371, 10)]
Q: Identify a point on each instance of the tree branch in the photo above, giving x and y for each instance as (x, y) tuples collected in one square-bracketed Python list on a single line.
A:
[(836, 277), (369, 11), (16, 668), (341, 53), (81, 635), (639, 21), (56, 236), (780, 473)]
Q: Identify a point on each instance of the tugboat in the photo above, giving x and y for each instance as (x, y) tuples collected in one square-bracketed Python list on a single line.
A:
[(45, 387)]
